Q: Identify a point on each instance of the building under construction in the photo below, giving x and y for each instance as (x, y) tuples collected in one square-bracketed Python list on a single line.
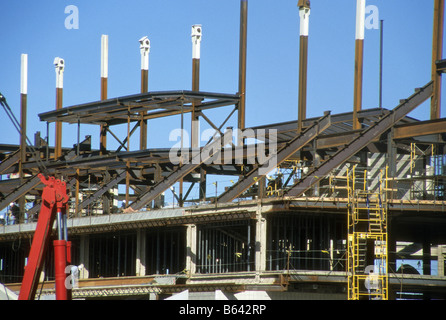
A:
[(340, 206)]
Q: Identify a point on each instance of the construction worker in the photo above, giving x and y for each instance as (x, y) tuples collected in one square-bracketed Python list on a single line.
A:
[(13, 213)]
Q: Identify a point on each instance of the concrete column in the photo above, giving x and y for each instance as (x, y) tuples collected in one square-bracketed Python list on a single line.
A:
[(441, 252), (141, 252), (84, 257), (260, 253), (191, 247)]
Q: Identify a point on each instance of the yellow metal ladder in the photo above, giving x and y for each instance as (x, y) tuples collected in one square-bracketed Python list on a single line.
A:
[(367, 231)]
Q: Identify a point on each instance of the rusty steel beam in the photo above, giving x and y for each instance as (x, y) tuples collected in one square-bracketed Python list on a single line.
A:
[(359, 62), (159, 104), (12, 159), (336, 140), (20, 191), (23, 112), (284, 153), (196, 35), (23, 109), (198, 158), (437, 54), (304, 13), (409, 130), (404, 131), (422, 128), (60, 66), (362, 141), (381, 53), (242, 66), (120, 176), (441, 66), (145, 50), (196, 48), (104, 85)]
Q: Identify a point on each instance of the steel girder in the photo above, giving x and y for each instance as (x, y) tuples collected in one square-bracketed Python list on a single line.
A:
[(284, 153), (181, 172), (362, 141), (29, 184)]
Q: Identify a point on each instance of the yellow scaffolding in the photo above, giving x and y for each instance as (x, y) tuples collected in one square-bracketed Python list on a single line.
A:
[(367, 238)]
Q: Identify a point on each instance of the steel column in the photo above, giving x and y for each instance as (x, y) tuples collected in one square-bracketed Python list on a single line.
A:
[(359, 62), (104, 84), (437, 54), (145, 50), (23, 109), (304, 13), (23, 112), (60, 66), (196, 47), (381, 49), (202, 192), (242, 66)]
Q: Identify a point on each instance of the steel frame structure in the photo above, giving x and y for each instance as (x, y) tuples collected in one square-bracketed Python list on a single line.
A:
[(323, 143)]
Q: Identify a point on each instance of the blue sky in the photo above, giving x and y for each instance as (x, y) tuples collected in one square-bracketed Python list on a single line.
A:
[(38, 29)]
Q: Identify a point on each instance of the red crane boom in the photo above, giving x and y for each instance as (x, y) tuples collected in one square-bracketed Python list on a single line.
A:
[(54, 205)]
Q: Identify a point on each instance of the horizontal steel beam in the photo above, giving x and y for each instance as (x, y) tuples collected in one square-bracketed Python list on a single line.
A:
[(284, 153), (362, 141), (441, 66), (160, 104), (420, 129), (341, 122)]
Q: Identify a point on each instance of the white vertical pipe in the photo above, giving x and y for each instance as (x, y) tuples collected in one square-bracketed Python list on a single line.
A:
[(104, 56), (24, 74), (360, 19), (304, 15)]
